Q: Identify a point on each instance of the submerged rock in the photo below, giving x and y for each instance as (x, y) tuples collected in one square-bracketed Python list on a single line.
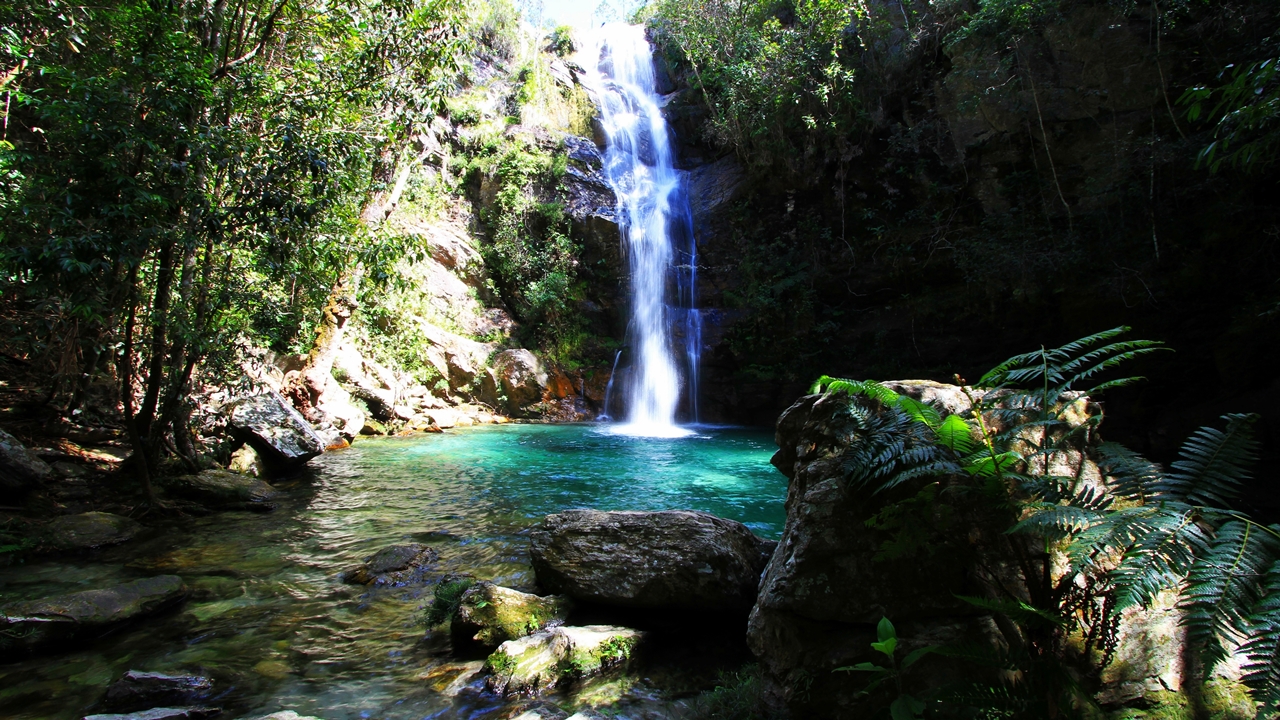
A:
[(221, 488), (671, 559), (279, 433), (393, 565), (20, 469), (87, 531), (56, 621), (137, 690), (163, 713), (490, 615), (559, 655)]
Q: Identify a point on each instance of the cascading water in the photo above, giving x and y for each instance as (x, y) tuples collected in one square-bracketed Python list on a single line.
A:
[(657, 233)]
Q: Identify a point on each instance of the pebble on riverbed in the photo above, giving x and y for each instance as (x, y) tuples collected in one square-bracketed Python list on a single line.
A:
[(394, 565)]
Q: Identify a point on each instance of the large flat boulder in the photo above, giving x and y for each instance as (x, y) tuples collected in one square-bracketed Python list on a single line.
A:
[(521, 376), (675, 559), (34, 625), (221, 488), (278, 432), (20, 469), (87, 531), (489, 615)]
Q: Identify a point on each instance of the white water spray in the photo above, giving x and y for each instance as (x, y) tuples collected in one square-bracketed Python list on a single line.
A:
[(653, 217)]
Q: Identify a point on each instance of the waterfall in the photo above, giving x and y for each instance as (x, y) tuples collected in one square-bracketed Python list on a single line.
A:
[(665, 329)]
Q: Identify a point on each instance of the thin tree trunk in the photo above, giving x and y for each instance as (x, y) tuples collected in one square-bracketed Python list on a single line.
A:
[(159, 335), (141, 461)]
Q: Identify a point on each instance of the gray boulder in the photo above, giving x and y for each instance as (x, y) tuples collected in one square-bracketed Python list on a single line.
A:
[(521, 377), (221, 488), (20, 469), (558, 656), (393, 565), (490, 615), (278, 432), (50, 622), (671, 559), (87, 531), (137, 690)]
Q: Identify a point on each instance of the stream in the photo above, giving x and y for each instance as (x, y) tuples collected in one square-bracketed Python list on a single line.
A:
[(271, 622)]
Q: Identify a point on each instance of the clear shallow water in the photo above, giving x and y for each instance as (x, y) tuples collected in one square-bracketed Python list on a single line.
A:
[(271, 622)]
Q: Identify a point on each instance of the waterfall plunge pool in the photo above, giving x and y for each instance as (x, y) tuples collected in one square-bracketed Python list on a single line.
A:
[(271, 622)]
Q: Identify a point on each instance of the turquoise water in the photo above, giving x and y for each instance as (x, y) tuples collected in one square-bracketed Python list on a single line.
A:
[(271, 622)]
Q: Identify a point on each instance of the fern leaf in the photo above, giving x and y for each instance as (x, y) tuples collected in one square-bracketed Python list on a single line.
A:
[(1160, 557), (1052, 521), (919, 411), (1213, 464), (1133, 476), (1224, 585), (1262, 650), (956, 435), (1016, 610)]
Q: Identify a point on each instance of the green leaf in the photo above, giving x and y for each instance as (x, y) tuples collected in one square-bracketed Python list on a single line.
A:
[(885, 630), (914, 656), (885, 646), (906, 707), (954, 433), (863, 667)]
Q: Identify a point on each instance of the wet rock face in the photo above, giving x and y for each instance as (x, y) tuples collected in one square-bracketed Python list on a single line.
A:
[(521, 376), (393, 565), (279, 434), (221, 489), (489, 615), (20, 469), (558, 656), (137, 690), (53, 622), (675, 559), (87, 531)]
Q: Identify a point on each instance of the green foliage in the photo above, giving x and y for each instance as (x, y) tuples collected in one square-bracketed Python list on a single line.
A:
[(560, 41), (500, 663), (530, 250), (445, 601), (903, 706), (738, 695), (1245, 110)]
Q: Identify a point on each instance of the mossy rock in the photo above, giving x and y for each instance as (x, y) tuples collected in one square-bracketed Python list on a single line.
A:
[(489, 615), (559, 656), (221, 488)]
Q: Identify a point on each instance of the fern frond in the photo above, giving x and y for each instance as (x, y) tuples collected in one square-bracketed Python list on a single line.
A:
[(1015, 610), (1054, 522), (1262, 650), (1133, 476), (1224, 585), (1159, 558), (1213, 464), (920, 412), (956, 435), (868, 388)]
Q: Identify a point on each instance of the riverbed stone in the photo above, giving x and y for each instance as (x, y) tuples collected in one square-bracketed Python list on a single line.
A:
[(20, 469), (286, 715), (490, 615), (673, 559), (162, 713), (54, 622), (137, 690), (221, 488), (275, 430), (87, 531), (556, 656), (246, 461), (394, 565)]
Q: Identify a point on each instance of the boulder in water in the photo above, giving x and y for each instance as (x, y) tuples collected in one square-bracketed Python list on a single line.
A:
[(246, 461), (87, 531), (279, 434), (163, 713), (490, 615), (34, 625), (221, 488), (137, 690), (521, 376), (675, 559), (555, 656), (393, 565), (20, 469)]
